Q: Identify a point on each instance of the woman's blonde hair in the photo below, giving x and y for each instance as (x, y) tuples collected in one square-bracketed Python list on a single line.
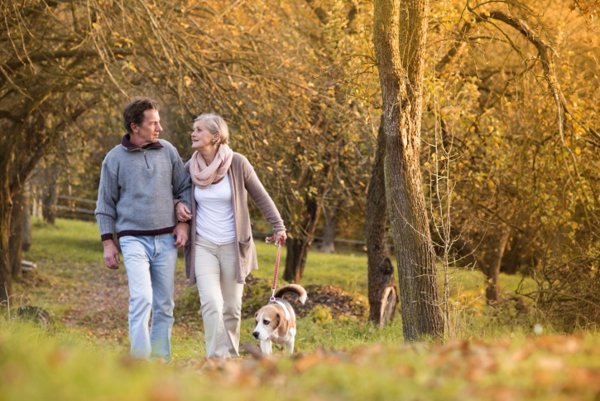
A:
[(216, 125)]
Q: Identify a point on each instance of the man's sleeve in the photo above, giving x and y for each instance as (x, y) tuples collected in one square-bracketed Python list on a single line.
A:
[(106, 206), (182, 184)]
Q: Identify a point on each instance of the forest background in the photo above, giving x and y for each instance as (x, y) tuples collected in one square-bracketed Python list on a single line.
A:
[(491, 107), (509, 140)]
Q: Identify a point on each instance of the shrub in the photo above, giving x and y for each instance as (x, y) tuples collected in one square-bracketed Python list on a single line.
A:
[(568, 293)]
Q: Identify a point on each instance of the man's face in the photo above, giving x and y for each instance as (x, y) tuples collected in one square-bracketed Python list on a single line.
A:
[(148, 131)]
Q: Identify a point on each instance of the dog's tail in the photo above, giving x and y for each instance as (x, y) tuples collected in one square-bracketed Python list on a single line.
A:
[(294, 288)]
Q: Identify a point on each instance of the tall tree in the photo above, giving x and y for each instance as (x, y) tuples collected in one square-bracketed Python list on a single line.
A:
[(400, 29), (382, 292)]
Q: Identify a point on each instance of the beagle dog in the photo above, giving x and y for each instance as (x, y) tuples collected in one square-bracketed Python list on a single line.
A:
[(276, 321)]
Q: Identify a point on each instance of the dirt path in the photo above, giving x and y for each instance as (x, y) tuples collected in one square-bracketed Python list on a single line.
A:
[(94, 299), (98, 302)]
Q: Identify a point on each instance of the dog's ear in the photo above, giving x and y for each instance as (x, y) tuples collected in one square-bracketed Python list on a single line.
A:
[(283, 327), (277, 321)]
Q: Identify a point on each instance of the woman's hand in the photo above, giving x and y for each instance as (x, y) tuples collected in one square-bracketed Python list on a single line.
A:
[(278, 238), (182, 212)]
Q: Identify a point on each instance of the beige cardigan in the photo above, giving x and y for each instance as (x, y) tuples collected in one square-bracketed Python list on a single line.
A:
[(243, 181)]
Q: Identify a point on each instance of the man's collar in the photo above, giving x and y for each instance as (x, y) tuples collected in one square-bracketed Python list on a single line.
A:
[(126, 142)]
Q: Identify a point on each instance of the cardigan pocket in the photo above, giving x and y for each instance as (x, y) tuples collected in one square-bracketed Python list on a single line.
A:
[(245, 247), (247, 256)]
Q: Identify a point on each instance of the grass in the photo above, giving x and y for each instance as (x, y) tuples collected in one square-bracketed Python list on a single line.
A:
[(491, 354), (38, 365), (68, 240), (70, 255)]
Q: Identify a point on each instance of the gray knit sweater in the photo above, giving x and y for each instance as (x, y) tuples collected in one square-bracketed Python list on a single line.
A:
[(138, 187)]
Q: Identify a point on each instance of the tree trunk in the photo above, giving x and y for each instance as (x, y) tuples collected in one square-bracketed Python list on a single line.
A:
[(5, 270), (297, 248), (17, 230), (328, 243), (26, 219), (493, 270), (295, 259), (50, 194), (381, 271), (399, 36)]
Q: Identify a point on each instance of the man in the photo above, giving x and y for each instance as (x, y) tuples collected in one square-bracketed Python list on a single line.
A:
[(140, 182)]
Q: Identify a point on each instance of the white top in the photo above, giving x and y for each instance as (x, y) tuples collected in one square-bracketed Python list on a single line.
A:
[(214, 212)]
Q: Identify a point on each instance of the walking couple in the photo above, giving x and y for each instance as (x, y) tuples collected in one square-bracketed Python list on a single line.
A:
[(154, 203)]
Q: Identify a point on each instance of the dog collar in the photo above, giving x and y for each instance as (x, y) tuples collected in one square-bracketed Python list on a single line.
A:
[(285, 309)]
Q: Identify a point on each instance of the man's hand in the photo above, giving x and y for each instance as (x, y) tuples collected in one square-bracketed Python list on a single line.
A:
[(182, 212), (181, 233), (111, 254)]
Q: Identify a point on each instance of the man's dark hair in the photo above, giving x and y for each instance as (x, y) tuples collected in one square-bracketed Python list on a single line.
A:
[(134, 111)]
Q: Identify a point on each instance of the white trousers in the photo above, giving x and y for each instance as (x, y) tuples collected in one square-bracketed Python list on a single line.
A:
[(220, 297)]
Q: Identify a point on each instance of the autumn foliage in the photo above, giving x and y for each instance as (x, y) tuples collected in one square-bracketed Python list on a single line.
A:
[(510, 135)]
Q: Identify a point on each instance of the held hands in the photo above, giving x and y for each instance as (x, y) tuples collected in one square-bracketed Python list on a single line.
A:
[(111, 254), (182, 212), (181, 233), (277, 238)]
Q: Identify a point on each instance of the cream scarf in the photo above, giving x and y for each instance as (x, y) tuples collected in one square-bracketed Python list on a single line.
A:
[(203, 175)]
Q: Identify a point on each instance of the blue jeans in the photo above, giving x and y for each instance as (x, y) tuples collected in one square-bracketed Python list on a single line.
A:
[(150, 263)]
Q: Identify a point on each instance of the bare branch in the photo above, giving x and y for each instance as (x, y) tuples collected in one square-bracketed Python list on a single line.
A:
[(545, 53), (458, 44), (55, 55)]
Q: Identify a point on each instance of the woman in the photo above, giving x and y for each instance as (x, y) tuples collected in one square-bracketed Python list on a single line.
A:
[(221, 251)]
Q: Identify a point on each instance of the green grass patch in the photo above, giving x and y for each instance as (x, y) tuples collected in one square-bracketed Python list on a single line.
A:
[(491, 353), (70, 255), (38, 365), (71, 241)]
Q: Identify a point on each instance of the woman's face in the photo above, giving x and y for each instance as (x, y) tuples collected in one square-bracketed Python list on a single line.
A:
[(201, 137)]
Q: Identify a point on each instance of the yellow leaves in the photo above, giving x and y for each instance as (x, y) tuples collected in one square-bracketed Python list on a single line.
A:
[(321, 314), (57, 357), (106, 3), (164, 391), (130, 66), (315, 359), (50, 121), (559, 344), (544, 360)]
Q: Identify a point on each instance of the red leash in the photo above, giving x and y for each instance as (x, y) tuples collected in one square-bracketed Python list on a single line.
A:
[(276, 273)]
